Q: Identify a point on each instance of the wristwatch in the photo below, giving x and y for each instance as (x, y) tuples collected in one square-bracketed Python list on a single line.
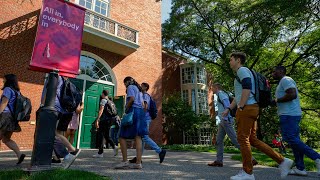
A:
[(241, 108)]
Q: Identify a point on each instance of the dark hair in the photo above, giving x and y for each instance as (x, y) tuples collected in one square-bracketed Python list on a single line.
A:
[(146, 85), (105, 92), (242, 56), (11, 81), (218, 85), (281, 68), (132, 82)]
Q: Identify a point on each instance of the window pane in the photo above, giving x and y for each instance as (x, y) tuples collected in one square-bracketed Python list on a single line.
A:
[(103, 5), (103, 11), (89, 5), (82, 2), (98, 3)]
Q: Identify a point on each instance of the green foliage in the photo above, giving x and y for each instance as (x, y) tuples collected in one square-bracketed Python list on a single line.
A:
[(180, 116), (270, 32), (56, 174)]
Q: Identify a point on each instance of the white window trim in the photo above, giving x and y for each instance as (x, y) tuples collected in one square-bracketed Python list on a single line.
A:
[(94, 4)]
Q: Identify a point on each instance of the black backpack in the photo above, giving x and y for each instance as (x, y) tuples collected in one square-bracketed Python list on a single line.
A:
[(153, 111), (262, 89), (70, 96), (22, 108), (110, 109), (234, 110)]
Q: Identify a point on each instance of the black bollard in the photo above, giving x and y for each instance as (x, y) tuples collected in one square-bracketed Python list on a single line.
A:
[(44, 134)]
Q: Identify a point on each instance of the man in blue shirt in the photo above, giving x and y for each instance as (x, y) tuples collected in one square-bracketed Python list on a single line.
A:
[(225, 125), (246, 117), (289, 111)]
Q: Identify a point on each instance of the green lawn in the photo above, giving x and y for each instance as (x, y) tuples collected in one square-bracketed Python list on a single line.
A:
[(261, 158), (58, 174)]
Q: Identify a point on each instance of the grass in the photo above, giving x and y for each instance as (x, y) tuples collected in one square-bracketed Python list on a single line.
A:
[(261, 158), (50, 175)]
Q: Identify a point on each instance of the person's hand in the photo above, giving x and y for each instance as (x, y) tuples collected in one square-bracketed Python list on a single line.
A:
[(274, 102), (97, 124), (225, 113)]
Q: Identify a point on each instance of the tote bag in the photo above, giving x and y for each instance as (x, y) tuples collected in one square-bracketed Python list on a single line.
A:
[(127, 119)]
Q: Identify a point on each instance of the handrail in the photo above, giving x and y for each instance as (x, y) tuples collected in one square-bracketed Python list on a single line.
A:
[(110, 26)]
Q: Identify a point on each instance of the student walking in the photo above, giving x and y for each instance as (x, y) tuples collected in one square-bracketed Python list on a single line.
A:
[(138, 128), (289, 111), (103, 123), (63, 116), (7, 124), (146, 139), (74, 123), (225, 125), (246, 117)]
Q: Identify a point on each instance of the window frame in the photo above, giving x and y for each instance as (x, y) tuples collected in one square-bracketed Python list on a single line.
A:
[(94, 5)]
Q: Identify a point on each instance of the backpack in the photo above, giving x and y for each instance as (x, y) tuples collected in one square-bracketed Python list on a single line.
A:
[(70, 96), (262, 89), (234, 110), (110, 109), (153, 111), (22, 108)]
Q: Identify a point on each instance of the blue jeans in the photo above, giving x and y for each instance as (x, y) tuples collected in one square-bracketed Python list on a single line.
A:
[(225, 127), (290, 131), (59, 149), (147, 140), (114, 134)]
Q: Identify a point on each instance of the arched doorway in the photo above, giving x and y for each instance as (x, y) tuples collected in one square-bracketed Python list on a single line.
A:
[(95, 76)]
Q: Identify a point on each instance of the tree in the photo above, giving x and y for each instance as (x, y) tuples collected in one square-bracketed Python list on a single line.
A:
[(270, 32)]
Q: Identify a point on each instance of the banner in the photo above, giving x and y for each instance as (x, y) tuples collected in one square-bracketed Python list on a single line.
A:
[(59, 38)]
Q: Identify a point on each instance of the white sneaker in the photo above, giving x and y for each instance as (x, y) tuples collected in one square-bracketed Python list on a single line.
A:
[(115, 150), (242, 175), (135, 166), (123, 165), (298, 172), (285, 167), (97, 155), (68, 160), (318, 165)]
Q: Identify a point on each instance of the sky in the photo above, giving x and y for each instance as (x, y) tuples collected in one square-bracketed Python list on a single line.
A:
[(165, 10)]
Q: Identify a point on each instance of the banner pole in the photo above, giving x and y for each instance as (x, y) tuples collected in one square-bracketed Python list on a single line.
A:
[(45, 128)]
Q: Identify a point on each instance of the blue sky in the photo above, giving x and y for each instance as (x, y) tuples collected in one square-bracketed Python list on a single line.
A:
[(165, 10)]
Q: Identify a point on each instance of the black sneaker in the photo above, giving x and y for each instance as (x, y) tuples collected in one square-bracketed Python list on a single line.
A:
[(21, 158), (76, 152), (134, 160), (55, 161), (162, 154)]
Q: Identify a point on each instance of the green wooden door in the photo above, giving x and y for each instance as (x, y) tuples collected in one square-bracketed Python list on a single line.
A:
[(93, 91), (119, 101)]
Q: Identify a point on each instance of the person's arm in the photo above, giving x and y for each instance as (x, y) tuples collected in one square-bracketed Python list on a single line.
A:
[(232, 105), (4, 103), (130, 103), (246, 90), (290, 95), (99, 115), (80, 108)]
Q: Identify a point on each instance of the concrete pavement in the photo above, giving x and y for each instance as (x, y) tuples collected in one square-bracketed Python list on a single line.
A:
[(177, 165)]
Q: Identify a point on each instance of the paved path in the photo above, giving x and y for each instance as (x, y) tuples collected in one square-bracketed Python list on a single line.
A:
[(177, 165)]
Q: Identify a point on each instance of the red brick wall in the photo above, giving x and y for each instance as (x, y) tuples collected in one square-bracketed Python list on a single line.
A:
[(18, 21)]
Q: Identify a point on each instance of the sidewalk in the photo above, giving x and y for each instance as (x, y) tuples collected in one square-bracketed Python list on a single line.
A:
[(177, 165)]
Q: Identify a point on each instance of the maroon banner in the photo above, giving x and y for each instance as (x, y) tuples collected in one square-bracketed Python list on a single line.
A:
[(59, 38)]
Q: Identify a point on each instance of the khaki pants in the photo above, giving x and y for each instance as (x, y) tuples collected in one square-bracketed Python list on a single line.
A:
[(246, 135)]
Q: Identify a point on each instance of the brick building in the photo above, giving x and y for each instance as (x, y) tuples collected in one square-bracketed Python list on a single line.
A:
[(121, 38)]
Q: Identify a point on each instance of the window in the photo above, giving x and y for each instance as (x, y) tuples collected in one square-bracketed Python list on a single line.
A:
[(201, 75), (185, 96), (93, 68), (98, 6), (187, 75), (203, 101)]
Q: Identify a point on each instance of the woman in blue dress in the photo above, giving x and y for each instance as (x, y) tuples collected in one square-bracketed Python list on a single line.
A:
[(134, 103)]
